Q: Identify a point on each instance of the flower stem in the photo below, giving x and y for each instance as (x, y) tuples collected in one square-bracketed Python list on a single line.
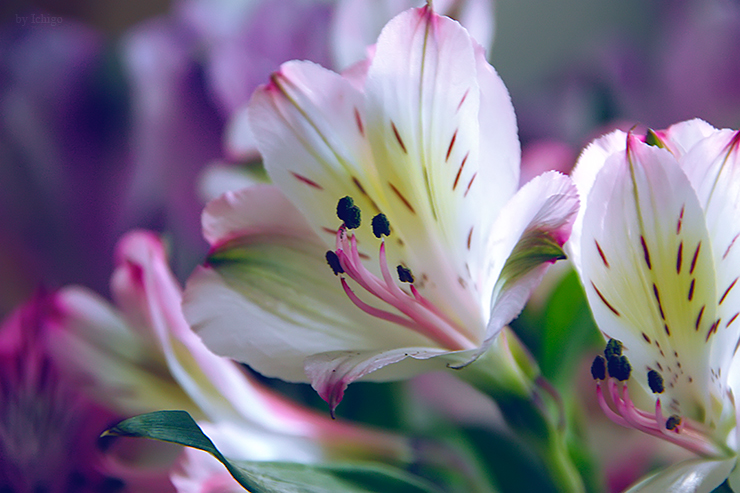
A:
[(530, 406)]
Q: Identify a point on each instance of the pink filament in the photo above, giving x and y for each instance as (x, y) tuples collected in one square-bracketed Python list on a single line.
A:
[(626, 414), (420, 315)]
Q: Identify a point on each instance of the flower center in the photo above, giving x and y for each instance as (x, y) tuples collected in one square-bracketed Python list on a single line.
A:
[(416, 312), (615, 369)]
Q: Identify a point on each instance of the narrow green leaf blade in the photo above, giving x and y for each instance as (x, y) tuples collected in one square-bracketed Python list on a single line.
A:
[(174, 427), (274, 477)]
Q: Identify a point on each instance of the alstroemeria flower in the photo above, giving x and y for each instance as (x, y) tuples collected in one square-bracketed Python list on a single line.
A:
[(656, 248), (423, 140), (44, 416), (141, 356)]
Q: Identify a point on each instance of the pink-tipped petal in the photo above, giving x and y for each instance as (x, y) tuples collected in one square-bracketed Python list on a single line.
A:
[(527, 238), (330, 373)]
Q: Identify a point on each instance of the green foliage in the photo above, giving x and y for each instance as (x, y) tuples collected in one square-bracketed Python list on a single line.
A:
[(510, 464), (562, 332), (562, 335), (723, 488), (274, 477)]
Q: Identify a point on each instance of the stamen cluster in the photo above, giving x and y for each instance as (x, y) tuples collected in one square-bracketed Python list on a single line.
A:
[(615, 369), (417, 313)]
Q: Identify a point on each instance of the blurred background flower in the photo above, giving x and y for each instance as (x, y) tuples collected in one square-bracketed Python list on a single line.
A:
[(44, 415)]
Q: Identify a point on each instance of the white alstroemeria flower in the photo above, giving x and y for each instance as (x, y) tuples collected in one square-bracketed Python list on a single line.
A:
[(423, 138), (656, 247)]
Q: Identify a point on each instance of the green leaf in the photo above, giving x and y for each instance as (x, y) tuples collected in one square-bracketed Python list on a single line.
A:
[(274, 477), (567, 322), (511, 465)]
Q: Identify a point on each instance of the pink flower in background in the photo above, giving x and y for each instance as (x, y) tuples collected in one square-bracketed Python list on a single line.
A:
[(424, 134), (48, 428), (546, 155), (688, 70), (96, 140), (243, 41)]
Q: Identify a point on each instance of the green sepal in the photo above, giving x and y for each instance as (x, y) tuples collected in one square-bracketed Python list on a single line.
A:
[(652, 139), (274, 477)]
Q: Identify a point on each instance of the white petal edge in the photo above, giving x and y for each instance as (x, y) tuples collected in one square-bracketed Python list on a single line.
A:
[(548, 203), (589, 164), (683, 136), (219, 177), (331, 372), (692, 476), (239, 141), (262, 209)]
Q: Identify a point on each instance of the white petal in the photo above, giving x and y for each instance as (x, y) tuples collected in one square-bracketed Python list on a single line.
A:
[(713, 166), (422, 111), (269, 299), (309, 123), (647, 268), (333, 371), (692, 476), (500, 152), (589, 164), (121, 368), (219, 178), (240, 144), (526, 240), (681, 137)]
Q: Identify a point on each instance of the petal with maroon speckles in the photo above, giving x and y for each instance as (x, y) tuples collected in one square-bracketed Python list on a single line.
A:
[(630, 218)]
